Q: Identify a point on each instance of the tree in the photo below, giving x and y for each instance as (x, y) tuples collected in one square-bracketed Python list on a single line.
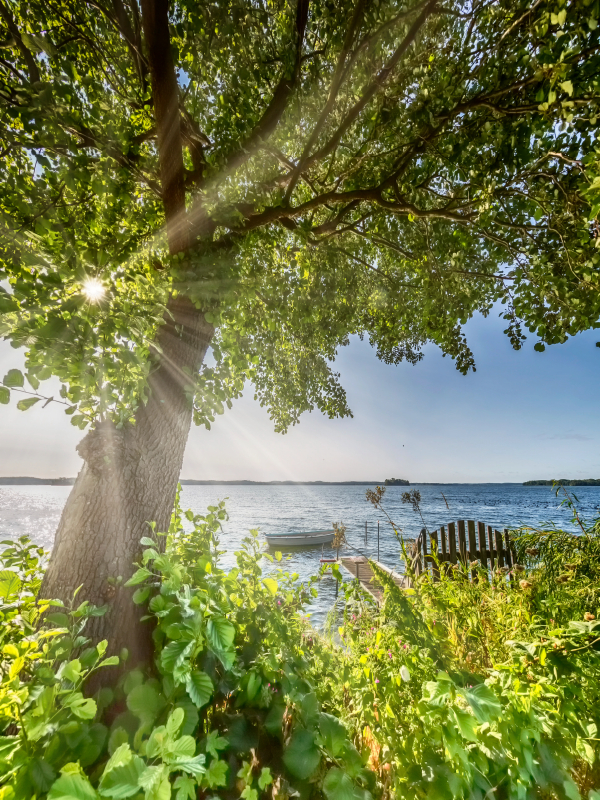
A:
[(264, 179)]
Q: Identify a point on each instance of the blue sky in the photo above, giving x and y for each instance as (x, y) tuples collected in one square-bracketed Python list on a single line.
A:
[(522, 415)]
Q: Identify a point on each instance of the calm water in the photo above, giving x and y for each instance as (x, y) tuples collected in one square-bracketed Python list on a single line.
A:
[(35, 511)]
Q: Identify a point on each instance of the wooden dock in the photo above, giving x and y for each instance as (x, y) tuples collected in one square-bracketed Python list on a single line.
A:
[(360, 568)]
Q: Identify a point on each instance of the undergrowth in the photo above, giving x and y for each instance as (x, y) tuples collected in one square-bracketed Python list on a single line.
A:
[(462, 688)]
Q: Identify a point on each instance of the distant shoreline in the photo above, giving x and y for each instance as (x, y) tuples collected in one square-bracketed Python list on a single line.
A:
[(26, 480)]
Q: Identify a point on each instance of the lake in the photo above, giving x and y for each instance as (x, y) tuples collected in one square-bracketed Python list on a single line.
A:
[(35, 511)]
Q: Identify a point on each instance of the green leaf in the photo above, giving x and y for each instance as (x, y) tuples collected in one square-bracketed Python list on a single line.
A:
[(14, 379), (338, 785), (4, 395), (141, 595), (72, 787), (121, 775), (483, 701), (174, 654), (175, 721), (85, 708), (467, 724), (302, 756), (186, 788), (139, 576), (265, 778), (23, 405), (72, 671), (199, 687), (333, 734), (271, 585), (195, 765), (10, 583), (216, 774), (214, 743), (145, 703), (41, 773), (191, 716), (220, 632)]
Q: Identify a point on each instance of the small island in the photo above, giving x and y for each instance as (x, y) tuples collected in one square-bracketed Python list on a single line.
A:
[(396, 482), (565, 482)]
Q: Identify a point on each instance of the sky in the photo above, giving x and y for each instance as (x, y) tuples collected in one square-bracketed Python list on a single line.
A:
[(522, 415)]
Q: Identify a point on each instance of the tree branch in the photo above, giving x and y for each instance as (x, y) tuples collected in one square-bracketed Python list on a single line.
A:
[(165, 92), (34, 73), (276, 108)]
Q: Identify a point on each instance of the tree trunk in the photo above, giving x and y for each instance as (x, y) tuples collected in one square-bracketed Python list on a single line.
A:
[(128, 479)]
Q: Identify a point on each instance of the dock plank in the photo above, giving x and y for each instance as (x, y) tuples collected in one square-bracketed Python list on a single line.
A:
[(360, 569)]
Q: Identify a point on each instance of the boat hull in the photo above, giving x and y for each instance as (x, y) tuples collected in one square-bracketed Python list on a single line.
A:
[(299, 539)]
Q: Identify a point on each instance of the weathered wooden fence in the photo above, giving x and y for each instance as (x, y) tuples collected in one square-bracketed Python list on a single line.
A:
[(462, 542)]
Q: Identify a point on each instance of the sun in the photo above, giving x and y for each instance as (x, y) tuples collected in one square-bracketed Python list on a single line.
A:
[(94, 290)]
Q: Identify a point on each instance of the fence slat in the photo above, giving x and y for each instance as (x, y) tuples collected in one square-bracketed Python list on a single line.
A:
[(425, 553), (499, 548), (462, 541), (492, 548), (452, 542), (472, 545), (482, 545), (509, 553), (435, 570), (445, 557)]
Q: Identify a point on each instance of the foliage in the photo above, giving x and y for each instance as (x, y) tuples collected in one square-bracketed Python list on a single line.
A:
[(227, 709), (472, 688), (460, 688), (565, 567), (324, 169)]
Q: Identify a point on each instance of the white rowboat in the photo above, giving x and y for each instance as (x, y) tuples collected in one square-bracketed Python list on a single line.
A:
[(299, 538)]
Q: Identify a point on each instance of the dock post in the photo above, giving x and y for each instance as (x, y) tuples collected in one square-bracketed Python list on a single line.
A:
[(377, 540)]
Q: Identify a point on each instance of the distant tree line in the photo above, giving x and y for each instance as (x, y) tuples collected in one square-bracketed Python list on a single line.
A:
[(565, 482)]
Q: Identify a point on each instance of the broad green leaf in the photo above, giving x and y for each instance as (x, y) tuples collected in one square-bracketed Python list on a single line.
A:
[(220, 632), (41, 773), (302, 756), (4, 395), (467, 724), (483, 701), (139, 576), (174, 654), (10, 583), (141, 595), (186, 788), (271, 585), (121, 775), (185, 746), (214, 743), (23, 405), (14, 379), (72, 670), (144, 702), (216, 774), (338, 786), (199, 687), (175, 721), (333, 734), (72, 787)]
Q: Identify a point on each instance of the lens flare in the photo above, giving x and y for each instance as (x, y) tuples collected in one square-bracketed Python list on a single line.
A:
[(93, 289)]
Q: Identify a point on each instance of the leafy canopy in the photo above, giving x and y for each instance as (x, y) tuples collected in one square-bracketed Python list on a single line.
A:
[(376, 168)]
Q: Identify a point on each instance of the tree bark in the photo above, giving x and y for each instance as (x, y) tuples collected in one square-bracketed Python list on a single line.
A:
[(129, 478)]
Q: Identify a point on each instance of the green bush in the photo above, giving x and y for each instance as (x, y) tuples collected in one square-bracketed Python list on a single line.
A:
[(227, 707), (451, 689)]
